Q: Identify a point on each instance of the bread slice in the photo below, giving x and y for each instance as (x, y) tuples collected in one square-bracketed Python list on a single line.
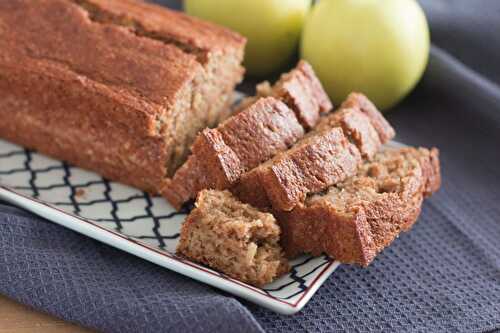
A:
[(117, 87), (301, 90), (361, 102), (238, 144), (316, 162), (356, 219), (357, 127), (365, 126), (233, 238)]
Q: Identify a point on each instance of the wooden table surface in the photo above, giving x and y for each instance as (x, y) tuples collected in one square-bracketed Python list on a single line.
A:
[(17, 318)]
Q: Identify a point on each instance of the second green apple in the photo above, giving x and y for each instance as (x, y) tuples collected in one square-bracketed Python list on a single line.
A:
[(377, 47), (272, 27)]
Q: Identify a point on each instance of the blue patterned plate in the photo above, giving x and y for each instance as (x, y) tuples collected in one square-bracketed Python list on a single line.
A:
[(136, 222)]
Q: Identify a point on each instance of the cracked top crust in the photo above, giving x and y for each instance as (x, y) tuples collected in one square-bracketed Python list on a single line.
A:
[(59, 32), (190, 31)]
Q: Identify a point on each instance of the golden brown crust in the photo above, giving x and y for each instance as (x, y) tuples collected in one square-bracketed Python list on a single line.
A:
[(357, 127), (258, 133), (316, 162), (221, 165), (116, 59), (355, 227), (100, 96), (94, 135), (362, 103), (301, 90), (239, 144), (180, 28), (320, 95), (317, 229)]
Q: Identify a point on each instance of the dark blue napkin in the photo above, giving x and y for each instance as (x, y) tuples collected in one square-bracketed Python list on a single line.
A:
[(443, 276)]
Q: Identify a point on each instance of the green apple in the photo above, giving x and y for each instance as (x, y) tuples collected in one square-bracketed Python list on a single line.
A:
[(272, 27), (377, 47)]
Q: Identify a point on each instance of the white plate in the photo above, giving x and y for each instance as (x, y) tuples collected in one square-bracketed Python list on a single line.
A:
[(135, 222)]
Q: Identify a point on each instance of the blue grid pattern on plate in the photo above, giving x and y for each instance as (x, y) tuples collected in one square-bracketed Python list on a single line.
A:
[(68, 180)]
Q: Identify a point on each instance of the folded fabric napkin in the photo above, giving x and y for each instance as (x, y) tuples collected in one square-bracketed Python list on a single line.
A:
[(442, 276)]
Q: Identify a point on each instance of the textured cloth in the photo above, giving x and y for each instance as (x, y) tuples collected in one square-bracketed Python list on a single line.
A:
[(443, 276), (82, 280)]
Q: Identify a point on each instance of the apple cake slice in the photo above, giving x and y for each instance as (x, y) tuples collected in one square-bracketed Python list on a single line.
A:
[(270, 122), (234, 238)]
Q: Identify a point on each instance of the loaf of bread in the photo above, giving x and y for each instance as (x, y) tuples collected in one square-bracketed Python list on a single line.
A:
[(356, 219), (120, 87), (234, 238), (264, 126)]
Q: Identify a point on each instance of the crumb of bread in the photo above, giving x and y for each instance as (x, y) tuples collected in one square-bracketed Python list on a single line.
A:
[(234, 238)]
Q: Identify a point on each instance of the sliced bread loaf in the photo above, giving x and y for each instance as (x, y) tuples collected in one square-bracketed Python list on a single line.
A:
[(264, 125), (234, 238), (356, 219), (221, 155), (321, 159), (313, 164)]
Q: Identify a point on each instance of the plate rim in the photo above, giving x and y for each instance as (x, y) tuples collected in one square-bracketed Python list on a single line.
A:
[(165, 258)]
